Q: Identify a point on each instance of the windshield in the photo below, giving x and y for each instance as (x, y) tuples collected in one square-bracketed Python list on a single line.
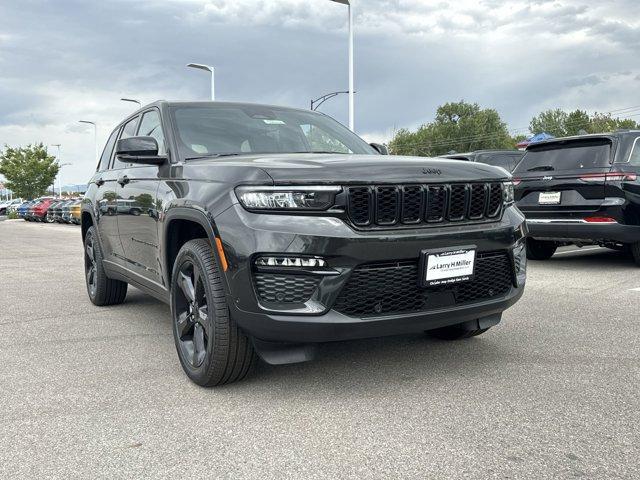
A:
[(210, 130), (573, 155), (508, 161)]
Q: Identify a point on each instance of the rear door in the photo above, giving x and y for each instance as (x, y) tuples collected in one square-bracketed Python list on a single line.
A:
[(104, 183), (564, 179)]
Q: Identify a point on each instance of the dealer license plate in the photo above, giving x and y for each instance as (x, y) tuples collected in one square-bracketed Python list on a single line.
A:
[(443, 267), (549, 198)]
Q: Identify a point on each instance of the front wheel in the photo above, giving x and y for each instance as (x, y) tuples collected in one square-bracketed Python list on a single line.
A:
[(102, 290), (540, 249), (211, 348)]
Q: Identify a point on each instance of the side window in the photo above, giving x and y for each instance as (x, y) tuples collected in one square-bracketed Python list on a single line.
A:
[(150, 126), (634, 159), (108, 150), (129, 130)]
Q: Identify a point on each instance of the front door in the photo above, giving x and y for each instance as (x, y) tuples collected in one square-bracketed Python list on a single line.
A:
[(137, 188)]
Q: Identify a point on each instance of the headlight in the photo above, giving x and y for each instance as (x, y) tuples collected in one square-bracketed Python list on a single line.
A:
[(508, 193), (287, 198)]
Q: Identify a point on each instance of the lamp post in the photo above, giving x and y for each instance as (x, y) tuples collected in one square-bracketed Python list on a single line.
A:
[(95, 135), (211, 70), (349, 4), (132, 100), (60, 165)]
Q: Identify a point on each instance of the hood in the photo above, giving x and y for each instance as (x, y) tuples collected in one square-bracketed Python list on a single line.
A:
[(360, 169)]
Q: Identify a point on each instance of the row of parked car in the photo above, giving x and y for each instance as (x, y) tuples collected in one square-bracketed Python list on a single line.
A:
[(49, 210)]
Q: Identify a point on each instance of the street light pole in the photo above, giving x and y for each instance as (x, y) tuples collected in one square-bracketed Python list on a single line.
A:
[(95, 136), (211, 70), (59, 175), (349, 4), (132, 100)]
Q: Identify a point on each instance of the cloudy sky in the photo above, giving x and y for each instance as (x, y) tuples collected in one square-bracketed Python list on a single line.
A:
[(63, 60)]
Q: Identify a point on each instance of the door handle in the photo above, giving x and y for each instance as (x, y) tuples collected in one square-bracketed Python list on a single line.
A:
[(123, 180), (100, 182)]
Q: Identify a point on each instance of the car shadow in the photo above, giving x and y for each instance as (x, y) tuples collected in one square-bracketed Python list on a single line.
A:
[(373, 365), (359, 366)]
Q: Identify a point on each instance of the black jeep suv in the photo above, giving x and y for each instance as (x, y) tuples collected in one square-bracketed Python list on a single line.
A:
[(269, 230), (581, 190)]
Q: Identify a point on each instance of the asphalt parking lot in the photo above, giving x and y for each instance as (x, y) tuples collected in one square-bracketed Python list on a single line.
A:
[(91, 392)]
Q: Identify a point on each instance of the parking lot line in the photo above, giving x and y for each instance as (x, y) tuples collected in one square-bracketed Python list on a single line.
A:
[(635, 289)]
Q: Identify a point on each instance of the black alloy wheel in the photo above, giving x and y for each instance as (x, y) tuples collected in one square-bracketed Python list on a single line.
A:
[(102, 290), (192, 309), (90, 266), (211, 347), (540, 249)]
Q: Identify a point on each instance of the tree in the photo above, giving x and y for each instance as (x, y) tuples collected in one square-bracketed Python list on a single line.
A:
[(459, 127), (550, 121), (577, 121), (29, 170), (561, 124)]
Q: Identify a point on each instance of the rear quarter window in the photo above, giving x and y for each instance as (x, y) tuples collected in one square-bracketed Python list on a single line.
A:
[(634, 158)]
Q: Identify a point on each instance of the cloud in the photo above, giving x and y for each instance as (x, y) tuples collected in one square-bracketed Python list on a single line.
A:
[(66, 60)]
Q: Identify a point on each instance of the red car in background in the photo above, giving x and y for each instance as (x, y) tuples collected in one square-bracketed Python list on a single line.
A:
[(38, 211)]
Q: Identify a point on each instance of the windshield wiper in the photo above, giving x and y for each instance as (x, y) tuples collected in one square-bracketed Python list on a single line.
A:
[(213, 155), (541, 168)]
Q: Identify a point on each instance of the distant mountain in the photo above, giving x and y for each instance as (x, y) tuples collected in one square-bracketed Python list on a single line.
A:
[(78, 187)]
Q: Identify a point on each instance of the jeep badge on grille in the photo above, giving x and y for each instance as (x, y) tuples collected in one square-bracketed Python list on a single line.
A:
[(431, 171)]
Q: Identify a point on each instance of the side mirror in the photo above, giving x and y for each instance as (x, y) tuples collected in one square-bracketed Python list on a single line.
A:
[(381, 149), (141, 150)]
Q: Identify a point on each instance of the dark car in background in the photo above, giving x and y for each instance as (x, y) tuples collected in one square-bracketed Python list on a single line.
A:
[(269, 230), (507, 159), (581, 190), (55, 211)]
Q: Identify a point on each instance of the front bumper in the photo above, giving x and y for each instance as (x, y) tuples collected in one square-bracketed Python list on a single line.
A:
[(246, 235), (581, 231)]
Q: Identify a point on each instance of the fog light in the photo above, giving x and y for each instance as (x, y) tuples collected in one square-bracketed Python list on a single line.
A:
[(291, 262)]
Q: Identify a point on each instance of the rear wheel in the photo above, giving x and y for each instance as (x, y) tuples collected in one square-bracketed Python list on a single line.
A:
[(211, 348), (540, 249), (102, 290), (635, 251)]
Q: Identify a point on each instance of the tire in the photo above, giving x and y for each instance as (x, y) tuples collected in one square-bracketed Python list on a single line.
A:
[(48, 219), (211, 348), (455, 332), (102, 290), (635, 252), (540, 249)]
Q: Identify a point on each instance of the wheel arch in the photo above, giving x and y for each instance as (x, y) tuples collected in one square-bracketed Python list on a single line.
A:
[(182, 224), (86, 222)]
